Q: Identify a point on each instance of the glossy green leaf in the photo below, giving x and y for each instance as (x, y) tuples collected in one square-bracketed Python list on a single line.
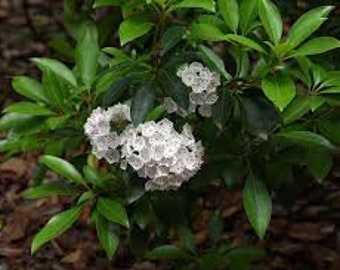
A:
[(271, 20), (317, 46), (133, 28), (208, 5), (257, 204), (106, 3), (306, 25), (229, 11), (248, 12), (87, 52), (296, 109), (49, 189), (245, 42), (28, 108), (319, 162), (142, 103), (113, 211), (58, 68), (305, 138), (206, 31), (63, 168), (29, 88), (279, 88), (55, 227), (171, 37), (167, 252), (213, 59), (107, 237), (13, 120)]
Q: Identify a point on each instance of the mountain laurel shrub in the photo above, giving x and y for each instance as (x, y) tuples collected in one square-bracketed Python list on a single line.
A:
[(194, 96)]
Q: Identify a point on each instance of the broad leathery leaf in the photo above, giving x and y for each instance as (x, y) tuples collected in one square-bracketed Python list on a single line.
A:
[(305, 138), (296, 109), (116, 90), (55, 227), (171, 37), (106, 3), (317, 46), (206, 31), (107, 237), (271, 20), (133, 28), (222, 109), (87, 52), (49, 189), (246, 42), (28, 108), (208, 5), (58, 68), (257, 204), (29, 88), (306, 25), (13, 120), (55, 89), (167, 252), (63, 168), (330, 128), (142, 103), (319, 162), (279, 88), (113, 211), (331, 90), (230, 14), (214, 60), (248, 12)]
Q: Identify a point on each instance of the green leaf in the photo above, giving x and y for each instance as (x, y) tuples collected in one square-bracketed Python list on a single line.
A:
[(246, 42), (271, 20), (55, 227), (106, 3), (167, 252), (279, 88), (63, 168), (13, 120), (206, 31), (171, 37), (56, 67), (116, 90), (317, 46), (55, 89), (113, 211), (319, 162), (142, 103), (208, 5), (49, 189), (133, 28), (215, 61), (222, 109), (248, 13), (87, 52), (296, 109), (332, 90), (257, 204), (29, 88), (107, 237), (306, 25), (28, 108), (229, 11), (305, 138)]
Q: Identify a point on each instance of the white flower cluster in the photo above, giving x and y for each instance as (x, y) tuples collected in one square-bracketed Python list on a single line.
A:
[(203, 84), (98, 129), (156, 151)]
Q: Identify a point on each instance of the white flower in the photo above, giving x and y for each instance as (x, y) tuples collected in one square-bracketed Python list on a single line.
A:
[(119, 113), (161, 155), (98, 123), (170, 105)]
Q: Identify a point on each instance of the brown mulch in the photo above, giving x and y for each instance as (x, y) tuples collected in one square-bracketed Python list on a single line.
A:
[(303, 236)]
